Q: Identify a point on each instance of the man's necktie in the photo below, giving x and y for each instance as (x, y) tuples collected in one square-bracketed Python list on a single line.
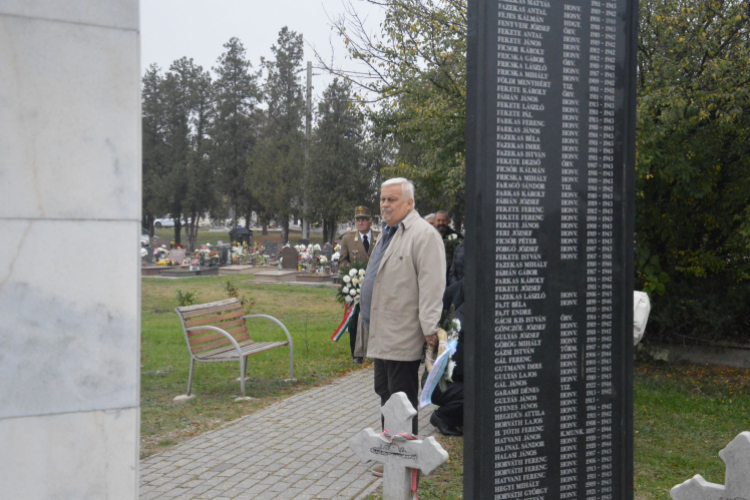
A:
[(366, 243)]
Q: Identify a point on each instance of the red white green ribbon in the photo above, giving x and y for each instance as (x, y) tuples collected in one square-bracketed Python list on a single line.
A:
[(403, 436), (349, 311)]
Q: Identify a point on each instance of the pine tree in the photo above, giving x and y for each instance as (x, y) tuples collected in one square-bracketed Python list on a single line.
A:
[(339, 178), (154, 147), (276, 173), (235, 128)]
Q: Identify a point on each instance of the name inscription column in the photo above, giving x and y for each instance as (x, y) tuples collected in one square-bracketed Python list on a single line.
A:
[(520, 460)]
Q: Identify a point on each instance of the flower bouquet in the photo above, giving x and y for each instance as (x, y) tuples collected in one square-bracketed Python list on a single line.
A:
[(349, 294), (438, 359), (160, 253)]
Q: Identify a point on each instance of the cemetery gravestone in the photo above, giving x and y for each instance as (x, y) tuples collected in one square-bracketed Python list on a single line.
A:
[(399, 457), (736, 456), (272, 248), (549, 252), (224, 250), (177, 255), (290, 258), (328, 251)]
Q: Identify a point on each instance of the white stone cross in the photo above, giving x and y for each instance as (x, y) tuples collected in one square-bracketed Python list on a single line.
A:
[(736, 456), (399, 457)]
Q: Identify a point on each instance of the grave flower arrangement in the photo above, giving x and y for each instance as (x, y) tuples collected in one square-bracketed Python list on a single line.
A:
[(348, 294), (160, 253), (239, 252)]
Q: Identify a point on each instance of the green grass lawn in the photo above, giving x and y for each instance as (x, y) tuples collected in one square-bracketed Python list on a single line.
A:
[(165, 359)]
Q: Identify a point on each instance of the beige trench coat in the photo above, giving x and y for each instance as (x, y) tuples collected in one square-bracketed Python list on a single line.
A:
[(407, 298)]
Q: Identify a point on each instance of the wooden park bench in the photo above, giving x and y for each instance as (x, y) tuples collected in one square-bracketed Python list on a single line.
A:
[(217, 331)]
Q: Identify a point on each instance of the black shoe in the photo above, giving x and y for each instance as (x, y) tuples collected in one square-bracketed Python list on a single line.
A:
[(443, 427), (357, 361)]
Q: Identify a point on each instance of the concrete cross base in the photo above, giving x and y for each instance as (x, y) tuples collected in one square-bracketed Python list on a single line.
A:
[(246, 398), (184, 397), (290, 380), (736, 456)]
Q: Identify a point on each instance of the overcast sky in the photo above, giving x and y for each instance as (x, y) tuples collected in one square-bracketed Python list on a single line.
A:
[(171, 29)]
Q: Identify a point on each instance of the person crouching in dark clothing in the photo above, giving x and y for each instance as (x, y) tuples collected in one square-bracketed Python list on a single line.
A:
[(450, 414)]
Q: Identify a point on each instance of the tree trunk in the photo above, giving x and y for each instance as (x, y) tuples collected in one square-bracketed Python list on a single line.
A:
[(177, 230), (284, 230), (191, 231), (149, 220), (331, 231)]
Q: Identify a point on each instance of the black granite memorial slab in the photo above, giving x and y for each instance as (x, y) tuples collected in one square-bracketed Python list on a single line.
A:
[(549, 249)]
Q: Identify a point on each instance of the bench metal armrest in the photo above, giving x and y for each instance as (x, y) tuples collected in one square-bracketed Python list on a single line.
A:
[(288, 336), (216, 329)]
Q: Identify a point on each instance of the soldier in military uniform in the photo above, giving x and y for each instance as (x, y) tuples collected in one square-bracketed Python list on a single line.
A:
[(356, 246)]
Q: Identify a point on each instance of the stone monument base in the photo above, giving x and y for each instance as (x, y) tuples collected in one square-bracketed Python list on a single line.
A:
[(317, 278), (277, 276), (186, 272), (236, 269)]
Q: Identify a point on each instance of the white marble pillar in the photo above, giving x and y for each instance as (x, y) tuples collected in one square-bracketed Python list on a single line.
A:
[(69, 242)]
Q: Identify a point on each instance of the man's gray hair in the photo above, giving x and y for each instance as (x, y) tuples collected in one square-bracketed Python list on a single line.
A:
[(442, 212), (407, 186), (430, 216)]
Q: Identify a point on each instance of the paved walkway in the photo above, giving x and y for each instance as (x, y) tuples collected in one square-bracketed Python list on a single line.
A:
[(297, 448)]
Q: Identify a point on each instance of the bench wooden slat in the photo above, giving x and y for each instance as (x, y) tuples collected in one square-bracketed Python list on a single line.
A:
[(246, 350), (195, 335), (197, 307), (213, 319), (223, 342), (232, 305), (228, 348), (214, 335)]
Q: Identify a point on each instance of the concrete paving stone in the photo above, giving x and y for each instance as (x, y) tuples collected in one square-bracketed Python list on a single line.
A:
[(214, 481), (316, 474), (269, 481), (325, 481), (176, 492), (326, 494), (363, 482), (336, 473), (229, 472), (349, 493), (290, 493), (148, 495), (304, 483), (267, 495), (192, 483), (245, 484)]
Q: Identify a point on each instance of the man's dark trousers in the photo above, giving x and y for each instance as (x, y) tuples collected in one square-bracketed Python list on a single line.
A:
[(398, 376), (451, 403), (353, 331)]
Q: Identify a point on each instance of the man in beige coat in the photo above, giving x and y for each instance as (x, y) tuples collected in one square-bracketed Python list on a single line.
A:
[(401, 298)]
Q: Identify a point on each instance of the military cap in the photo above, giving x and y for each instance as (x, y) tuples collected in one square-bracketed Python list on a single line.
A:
[(361, 211)]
